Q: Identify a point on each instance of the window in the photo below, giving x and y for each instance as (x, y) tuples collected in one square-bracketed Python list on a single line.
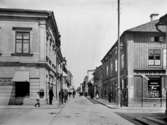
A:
[(122, 61), (157, 39), (107, 70), (154, 57), (22, 45), (164, 58), (116, 68), (154, 88), (111, 67)]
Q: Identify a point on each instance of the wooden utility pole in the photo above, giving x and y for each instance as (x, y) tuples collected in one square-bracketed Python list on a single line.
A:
[(119, 89)]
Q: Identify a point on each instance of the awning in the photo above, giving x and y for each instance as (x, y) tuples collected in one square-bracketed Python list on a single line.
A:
[(21, 76)]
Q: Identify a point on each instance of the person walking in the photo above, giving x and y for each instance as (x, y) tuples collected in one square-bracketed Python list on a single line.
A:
[(61, 96), (73, 93), (97, 94), (65, 95), (51, 95), (109, 96), (37, 100)]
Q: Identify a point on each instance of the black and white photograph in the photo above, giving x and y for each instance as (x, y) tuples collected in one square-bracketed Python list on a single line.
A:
[(83, 62)]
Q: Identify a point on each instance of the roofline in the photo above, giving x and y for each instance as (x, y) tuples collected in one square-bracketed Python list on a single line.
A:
[(17, 10), (43, 14), (129, 31)]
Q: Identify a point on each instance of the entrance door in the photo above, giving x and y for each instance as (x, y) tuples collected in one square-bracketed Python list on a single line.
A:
[(124, 93)]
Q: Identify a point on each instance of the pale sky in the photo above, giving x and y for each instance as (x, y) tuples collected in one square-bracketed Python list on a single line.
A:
[(88, 28)]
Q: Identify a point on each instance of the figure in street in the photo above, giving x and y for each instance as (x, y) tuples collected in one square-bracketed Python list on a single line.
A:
[(65, 96), (51, 95), (37, 100), (73, 93), (97, 94), (61, 96), (109, 96)]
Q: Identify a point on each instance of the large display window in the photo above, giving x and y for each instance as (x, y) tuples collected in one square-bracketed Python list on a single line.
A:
[(154, 88)]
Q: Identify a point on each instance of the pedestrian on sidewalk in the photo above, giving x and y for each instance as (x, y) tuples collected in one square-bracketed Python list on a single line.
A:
[(73, 93), (61, 96), (97, 94), (37, 100), (109, 96), (65, 95), (51, 95)]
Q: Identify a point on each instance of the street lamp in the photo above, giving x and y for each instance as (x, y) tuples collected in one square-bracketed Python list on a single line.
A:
[(163, 22)]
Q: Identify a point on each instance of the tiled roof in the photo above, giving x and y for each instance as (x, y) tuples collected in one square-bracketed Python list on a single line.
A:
[(147, 27)]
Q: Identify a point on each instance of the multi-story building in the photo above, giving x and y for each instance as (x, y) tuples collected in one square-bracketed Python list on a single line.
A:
[(30, 55), (142, 67), (98, 77)]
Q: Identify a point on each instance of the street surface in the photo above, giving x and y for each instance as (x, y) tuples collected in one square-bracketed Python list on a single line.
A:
[(78, 111)]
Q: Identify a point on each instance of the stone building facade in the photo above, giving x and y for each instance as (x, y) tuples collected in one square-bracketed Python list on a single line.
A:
[(30, 55)]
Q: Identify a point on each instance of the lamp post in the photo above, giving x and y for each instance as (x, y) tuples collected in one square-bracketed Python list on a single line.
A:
[(118, 87)]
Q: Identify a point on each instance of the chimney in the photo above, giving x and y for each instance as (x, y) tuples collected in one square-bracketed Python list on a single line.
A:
[(153, 16)]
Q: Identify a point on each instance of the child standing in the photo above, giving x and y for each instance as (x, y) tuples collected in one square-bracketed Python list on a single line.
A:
[(37, 100)]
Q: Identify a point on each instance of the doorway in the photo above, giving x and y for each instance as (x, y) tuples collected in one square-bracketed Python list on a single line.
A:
[(22, 89)]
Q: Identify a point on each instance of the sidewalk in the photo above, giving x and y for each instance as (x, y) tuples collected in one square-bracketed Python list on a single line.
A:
[(139, 114), (28, 114), (43, 106), (130, 109)]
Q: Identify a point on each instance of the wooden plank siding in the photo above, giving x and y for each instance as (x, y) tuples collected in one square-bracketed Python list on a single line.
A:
[(142, 44)]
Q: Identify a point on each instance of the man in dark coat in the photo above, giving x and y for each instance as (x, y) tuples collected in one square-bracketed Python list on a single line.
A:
[(109, 96), (51, 96), (61, 96)]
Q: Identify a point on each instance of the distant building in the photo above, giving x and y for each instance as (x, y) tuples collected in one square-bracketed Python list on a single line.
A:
[(30, 55), (98, 81), (143, 67)]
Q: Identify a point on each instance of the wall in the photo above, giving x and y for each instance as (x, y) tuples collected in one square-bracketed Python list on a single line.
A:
[(7, 44)]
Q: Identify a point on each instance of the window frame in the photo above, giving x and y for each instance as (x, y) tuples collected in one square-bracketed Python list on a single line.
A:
[(154, 55), (21, 30), (23, 43)]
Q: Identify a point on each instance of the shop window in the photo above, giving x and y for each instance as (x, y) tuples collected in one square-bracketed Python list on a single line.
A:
[(154, 88), (154, 57)]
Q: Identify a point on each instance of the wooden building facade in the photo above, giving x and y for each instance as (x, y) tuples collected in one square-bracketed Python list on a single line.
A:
[(142, 67)]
